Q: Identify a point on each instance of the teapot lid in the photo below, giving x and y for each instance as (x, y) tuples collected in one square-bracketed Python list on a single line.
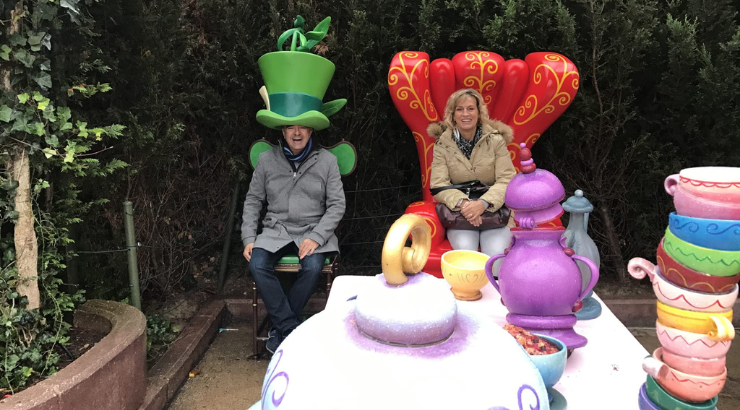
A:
[(533, 189), (578, 203)]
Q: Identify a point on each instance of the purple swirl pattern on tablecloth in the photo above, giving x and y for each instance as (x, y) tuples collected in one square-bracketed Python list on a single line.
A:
[(272, 377), (522, 389)]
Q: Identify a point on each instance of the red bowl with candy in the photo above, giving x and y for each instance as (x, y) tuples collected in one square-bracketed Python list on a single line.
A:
[(690, 279)]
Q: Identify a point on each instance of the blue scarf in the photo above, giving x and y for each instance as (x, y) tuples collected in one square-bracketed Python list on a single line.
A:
[(301, 155)]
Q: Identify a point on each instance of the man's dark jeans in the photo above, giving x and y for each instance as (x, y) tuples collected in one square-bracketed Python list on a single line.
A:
[(285, 311)]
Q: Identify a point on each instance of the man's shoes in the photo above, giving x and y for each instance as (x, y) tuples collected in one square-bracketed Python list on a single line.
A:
[(273, 340)]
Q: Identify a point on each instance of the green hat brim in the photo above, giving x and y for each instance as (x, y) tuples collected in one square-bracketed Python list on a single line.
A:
[(313, 119)]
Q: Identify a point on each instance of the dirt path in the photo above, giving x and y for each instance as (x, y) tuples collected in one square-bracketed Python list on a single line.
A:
[(228, 380)]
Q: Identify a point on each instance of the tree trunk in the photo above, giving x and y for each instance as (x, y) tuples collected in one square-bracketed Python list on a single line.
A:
[(612, 239), (19, 169), (26, 248)]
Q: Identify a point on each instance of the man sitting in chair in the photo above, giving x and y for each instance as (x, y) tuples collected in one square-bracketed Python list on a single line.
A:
[(299, 183), (301, 187)]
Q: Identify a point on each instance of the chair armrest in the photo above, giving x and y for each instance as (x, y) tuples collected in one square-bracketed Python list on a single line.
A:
[(426, 209)]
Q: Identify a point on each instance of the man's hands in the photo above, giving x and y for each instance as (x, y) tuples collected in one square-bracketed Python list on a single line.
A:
[(248, 251), (307, 248), (472, 210)]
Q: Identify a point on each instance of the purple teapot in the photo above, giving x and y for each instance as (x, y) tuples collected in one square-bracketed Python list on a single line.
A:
[(540, 283), (539, 275)]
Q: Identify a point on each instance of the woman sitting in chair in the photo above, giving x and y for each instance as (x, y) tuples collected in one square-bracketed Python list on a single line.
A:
[(470, 146)]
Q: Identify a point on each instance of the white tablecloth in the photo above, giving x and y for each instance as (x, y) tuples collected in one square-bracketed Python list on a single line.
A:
[(605, 374)]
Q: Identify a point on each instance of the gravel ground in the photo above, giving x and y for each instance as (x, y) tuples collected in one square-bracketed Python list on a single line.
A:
[(228, 379)]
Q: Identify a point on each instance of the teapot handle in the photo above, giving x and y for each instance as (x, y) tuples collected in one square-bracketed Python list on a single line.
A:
[(594, 274), (489, 270)]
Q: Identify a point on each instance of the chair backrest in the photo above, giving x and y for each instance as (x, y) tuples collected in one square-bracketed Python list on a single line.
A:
[(344, 151), (528, 95)]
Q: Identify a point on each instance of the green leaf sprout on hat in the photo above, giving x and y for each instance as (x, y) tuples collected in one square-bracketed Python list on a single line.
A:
[(302, 41)]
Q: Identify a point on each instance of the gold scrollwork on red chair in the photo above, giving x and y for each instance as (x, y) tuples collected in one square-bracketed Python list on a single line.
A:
[(479, 82), (563, 97), (423, 102), (426, 161)]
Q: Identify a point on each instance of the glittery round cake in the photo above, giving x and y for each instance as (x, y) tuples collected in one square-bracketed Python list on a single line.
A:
[(421, 311)]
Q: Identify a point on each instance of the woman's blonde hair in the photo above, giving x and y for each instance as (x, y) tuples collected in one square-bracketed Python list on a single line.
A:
[(455, 98)]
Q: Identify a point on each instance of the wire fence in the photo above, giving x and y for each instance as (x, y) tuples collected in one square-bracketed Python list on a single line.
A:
[(348, 266)]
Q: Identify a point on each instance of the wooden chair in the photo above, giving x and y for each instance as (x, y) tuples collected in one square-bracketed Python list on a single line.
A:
[(347, 160), (527, 95)]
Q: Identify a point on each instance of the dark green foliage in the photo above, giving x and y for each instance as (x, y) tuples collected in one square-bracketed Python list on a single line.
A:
[(658, 92), (39, 116), (159, 335), (28, 338)]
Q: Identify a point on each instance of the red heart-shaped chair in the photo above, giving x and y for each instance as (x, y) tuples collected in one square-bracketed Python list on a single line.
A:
[(527, 95)]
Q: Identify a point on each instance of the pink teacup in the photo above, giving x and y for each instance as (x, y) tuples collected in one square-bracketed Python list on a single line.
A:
[(692, 365), (678, 297), (694, 206), (683, 386), (689, 344), (720, 184)]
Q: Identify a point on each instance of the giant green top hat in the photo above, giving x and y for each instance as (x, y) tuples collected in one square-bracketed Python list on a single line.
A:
[(296, 81)]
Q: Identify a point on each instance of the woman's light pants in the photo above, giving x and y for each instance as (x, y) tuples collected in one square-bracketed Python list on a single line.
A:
[(491, 241)]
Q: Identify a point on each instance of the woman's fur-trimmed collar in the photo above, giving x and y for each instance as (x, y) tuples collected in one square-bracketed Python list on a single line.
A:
[(437, 129)]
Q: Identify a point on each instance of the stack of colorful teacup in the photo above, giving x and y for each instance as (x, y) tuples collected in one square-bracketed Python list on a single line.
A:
[(696, 285)]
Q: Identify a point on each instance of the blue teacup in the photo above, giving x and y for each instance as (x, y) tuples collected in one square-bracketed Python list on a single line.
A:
[(719, 234), (551, 366)]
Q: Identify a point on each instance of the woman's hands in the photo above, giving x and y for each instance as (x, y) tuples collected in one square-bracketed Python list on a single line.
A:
[(472, 210)]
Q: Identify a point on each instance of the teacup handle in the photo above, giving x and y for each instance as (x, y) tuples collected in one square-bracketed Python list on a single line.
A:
[(724, 332), (655, 368), (489, 270), (639, 267), (594, 274), (671, 184)]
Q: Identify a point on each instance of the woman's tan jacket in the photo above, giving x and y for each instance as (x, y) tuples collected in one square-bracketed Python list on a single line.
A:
[(489, 162)]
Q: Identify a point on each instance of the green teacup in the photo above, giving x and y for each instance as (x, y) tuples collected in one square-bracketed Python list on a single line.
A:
[(665, 401), (704, 260)]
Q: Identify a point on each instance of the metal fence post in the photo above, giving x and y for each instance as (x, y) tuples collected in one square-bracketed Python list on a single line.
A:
[(133, 266)]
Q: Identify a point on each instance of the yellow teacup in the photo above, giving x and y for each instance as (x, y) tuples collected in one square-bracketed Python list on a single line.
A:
[(465, 271), (718, 326)]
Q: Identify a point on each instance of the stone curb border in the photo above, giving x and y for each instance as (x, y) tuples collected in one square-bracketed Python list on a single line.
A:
[(111, 375), (172, 369)]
